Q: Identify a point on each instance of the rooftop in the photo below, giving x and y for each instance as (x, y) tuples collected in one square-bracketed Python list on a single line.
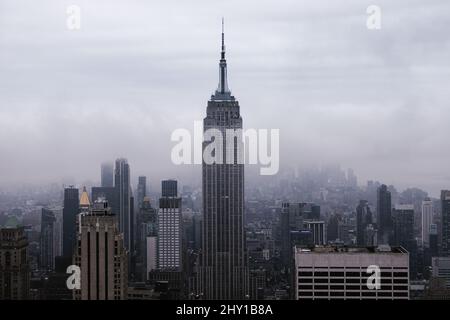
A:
[(345, 249)]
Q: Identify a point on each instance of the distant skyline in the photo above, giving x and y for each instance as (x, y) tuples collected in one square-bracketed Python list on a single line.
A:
[(374, 101)]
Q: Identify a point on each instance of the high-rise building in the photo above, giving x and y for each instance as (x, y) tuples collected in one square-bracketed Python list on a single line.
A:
[(122, 184), (147, 233), (47, 240), (299, 227), (441, 269), (101, 255), (14, 266), (169, 228), (70, 211), (403, 221), (445, 222), (384, 212), (224, 267), (141, 190), (343, 273), (427, 220), (107, 175), (318, 231), (403, 235), (364, 220)]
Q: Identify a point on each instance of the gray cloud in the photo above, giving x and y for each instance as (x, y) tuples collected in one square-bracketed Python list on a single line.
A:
[(376, 101)]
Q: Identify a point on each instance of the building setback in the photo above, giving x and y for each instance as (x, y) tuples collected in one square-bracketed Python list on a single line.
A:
[(224, 268)]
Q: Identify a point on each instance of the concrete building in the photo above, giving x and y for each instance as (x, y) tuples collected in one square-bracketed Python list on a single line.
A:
[(330, 272), (445, 223), (169, 228), (224, 268), (47, 240), (14, 266), (101, 255), (426, 221), (441, 269), (318, 230)]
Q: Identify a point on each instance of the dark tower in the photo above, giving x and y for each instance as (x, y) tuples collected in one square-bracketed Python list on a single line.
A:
[(224, 270), (107, 175), (70, 211), (384, 214)]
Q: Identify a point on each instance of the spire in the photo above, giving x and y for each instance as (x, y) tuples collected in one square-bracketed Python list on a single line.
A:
[(85, 203), (223, 92)]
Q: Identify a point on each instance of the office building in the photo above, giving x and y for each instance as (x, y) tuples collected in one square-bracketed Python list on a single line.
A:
[(384, 211), (141, 190), (107, 175), (169, 228), (125, 214), (364, 225), (318, 231), (47, 240), (342, 273), (440, 267), (427, 220), (70, 211), (224, 269), (445, 223), (101, 255), (14, 265)]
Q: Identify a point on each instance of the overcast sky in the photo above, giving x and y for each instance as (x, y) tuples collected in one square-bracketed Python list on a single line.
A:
[(374, 100)]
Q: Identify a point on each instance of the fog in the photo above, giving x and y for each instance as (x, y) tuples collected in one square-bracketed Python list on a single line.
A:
[(373, 100)]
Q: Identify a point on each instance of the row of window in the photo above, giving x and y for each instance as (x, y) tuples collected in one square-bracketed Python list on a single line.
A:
[(348, 274), (352, 294)]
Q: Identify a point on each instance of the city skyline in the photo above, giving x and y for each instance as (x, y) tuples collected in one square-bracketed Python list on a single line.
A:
[(100, 199)]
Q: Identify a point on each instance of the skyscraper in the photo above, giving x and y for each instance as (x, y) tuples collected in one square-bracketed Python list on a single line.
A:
[(101, 255), (147, 232), (14, 266), (224, 269), (169, 228), (47, 240), (107, 175), (384, 211), (141, 190), (427, 220), (445, 223), (364, 222), (70, 211), (403, 235), (122, 185)]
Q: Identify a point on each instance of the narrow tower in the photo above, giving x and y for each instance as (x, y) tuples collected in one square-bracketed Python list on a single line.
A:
[(223, 271)]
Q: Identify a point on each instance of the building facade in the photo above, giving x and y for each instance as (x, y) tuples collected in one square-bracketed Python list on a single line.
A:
[(426, 221), (384, 214), (70, 211), (344, 273), (224, 268), (445, 223), (107, 175), (14, 266), (169, 228), (47, 240), (101, 255)]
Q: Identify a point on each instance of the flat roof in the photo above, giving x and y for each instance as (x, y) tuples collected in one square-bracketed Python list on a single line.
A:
[(349, 249)]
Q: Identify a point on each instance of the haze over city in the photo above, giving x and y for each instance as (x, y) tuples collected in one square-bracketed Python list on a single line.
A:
[(372, 100)]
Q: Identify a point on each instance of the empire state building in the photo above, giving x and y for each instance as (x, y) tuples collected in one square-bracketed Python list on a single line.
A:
[(224, 269)]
